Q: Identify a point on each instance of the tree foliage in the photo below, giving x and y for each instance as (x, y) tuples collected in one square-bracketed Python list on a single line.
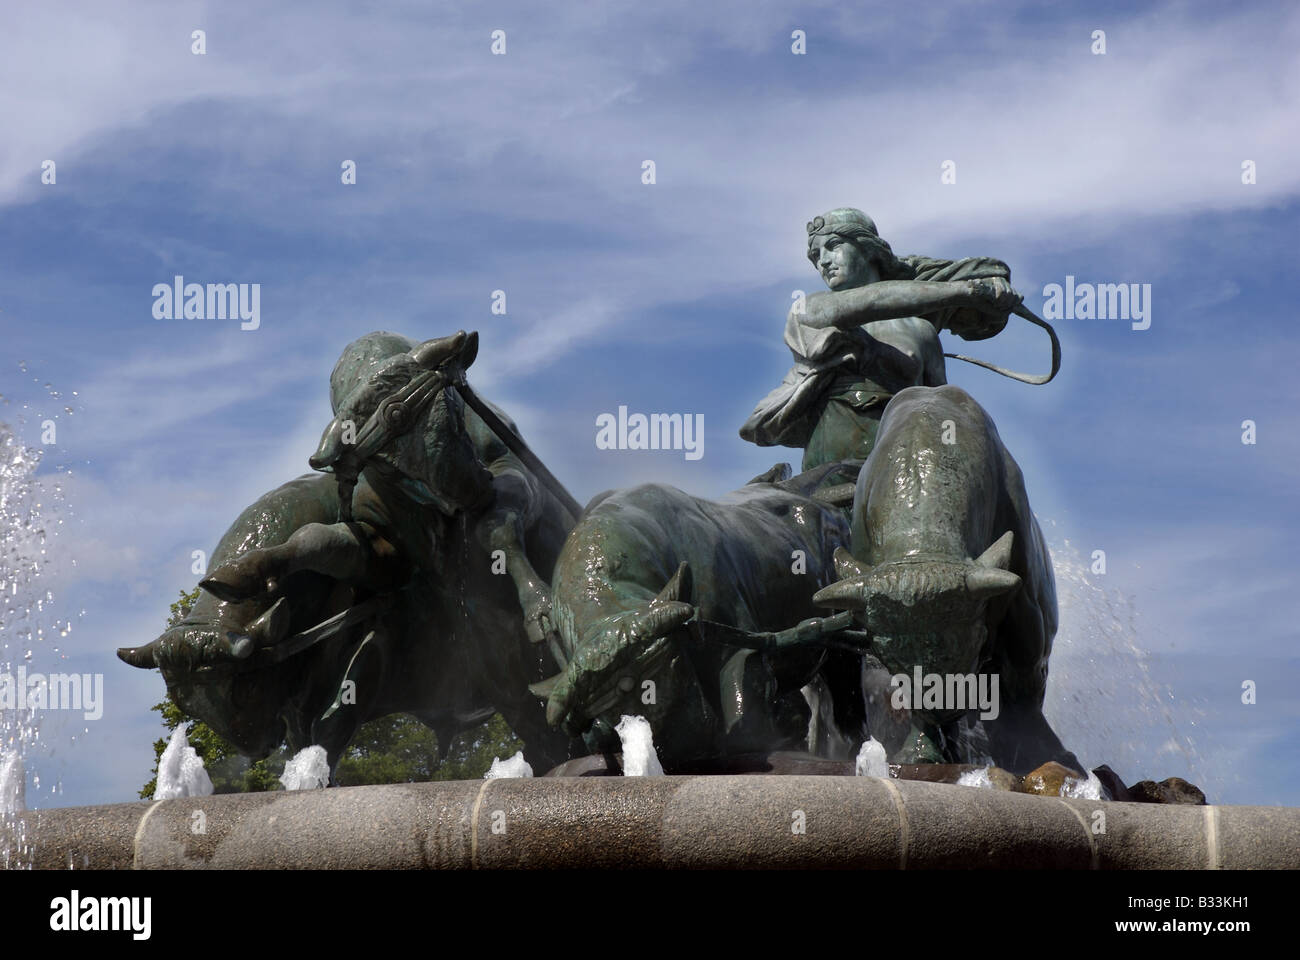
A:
[(401, 749)]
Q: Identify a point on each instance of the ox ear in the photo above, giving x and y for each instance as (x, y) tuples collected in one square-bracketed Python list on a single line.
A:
[(998, 556)]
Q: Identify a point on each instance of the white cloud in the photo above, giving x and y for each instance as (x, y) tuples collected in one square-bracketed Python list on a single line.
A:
[(1048, 138)]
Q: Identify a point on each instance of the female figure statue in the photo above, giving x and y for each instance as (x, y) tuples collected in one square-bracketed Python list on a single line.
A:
[(873, 333)]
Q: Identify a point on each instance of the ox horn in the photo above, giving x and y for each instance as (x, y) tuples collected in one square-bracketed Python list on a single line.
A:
[(847, 593), (847, 566), (679, 587), (990, 576), (194, 647), (433, 353), (999, 555), (671, 607), (879, 594), (983, 583), (843, 594), (330, 448), (142, 657)]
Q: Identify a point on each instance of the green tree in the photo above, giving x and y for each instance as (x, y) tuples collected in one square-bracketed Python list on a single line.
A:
[(473, 750), (393, 749)]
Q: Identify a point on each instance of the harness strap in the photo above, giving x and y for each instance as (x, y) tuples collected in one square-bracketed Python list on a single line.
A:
[(1022, 311)]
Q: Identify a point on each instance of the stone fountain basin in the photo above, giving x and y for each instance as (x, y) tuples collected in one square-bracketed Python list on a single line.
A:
[(744, 821)]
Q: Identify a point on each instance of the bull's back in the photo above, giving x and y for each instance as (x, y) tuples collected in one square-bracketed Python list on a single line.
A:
[(267, 522), (741, 550), (932, 481), (273, 517)]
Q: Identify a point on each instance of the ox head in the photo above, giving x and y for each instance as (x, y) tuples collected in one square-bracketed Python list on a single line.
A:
[(242, 666), (924, 611), (398, 415), (216, 665)]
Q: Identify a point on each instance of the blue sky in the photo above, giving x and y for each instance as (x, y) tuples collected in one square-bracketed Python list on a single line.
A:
[(522, 172)]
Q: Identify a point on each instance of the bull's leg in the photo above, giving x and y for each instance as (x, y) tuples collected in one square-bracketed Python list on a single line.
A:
[(350, 552), (505, 533), (888, 722), (1021, 740), (502, 529), (363, 677), (544, 746)]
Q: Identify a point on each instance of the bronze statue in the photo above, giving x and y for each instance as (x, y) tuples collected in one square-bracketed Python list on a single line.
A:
[(337, 599), (872, 333), (948, 573), (442, 569)]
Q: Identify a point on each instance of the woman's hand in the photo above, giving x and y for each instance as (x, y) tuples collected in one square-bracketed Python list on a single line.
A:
[(993, 295)]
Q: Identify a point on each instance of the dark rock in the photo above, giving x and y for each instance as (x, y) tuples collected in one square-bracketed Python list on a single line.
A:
[(1111, 783), (1173, 790), (1184, 792)]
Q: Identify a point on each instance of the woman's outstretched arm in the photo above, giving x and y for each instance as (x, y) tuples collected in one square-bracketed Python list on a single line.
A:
[(890, 299)]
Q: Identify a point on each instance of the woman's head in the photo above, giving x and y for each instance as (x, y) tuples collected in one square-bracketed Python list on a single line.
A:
[(847, 251)]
